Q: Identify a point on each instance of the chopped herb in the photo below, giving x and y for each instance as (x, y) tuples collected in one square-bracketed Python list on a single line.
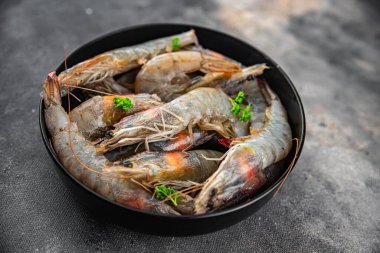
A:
[(235, 109), (125, 103), (246, 114), (175, 44), (239, 98), (162, 192)]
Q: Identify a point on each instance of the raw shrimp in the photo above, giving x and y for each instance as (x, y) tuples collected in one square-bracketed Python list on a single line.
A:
[(96, 115), (181, 142), (121, 60), (176, 165), (255, 95), (166, 74), (73, 151), (241, 173), (207, 108)]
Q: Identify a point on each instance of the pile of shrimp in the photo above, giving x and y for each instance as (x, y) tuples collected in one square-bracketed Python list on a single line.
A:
[(180, 132)]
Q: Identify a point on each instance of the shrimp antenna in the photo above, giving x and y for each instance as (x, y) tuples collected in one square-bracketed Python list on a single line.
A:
[(291, 166), (92, 90)]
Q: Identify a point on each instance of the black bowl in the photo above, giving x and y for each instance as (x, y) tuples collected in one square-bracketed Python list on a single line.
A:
[(185, 225)]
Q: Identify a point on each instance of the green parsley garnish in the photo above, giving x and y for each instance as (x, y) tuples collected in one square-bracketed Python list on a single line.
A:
[(239, 98), (125, 103), (162, 192), (175, 44), (246, 114), (236, 107)]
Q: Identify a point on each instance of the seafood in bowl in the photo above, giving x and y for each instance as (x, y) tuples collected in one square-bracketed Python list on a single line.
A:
[(157, 127)]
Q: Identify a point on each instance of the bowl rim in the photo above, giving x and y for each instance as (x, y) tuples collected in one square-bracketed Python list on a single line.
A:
[(229, 210)]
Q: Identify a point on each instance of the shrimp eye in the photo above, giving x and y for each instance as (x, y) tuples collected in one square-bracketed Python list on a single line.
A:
[(128, 164), (250, 78)]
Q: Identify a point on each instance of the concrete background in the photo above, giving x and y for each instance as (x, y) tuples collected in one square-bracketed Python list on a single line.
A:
[(330, 49)]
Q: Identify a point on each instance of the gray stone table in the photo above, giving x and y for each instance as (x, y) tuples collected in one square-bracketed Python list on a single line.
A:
[(330, 49)]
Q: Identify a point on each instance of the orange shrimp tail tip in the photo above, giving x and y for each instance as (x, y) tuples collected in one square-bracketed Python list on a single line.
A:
[(215, 64), (51, 90)]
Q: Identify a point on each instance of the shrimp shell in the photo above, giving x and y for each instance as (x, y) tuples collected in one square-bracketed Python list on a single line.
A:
[(208, 108), (241, 173), (79, 157), (181, 142), (166, 74), (96, 115), (175, 165), (120, 60)]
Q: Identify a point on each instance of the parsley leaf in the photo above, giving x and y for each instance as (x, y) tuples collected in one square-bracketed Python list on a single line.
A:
[(239, 98), (124, 103), (162, 192), (235, 109), (175, 44), (246, 114)]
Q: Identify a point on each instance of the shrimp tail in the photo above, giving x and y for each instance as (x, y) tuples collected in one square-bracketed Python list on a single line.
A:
[(216, 64), (193, 38)]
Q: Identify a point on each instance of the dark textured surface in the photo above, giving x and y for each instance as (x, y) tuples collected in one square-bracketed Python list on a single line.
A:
[(331, 201)]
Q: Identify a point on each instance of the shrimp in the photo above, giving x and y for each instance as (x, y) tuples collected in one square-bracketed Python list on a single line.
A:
[(254, 90), (176, 165), (97, 115), (166, 74), (81, 160), (241, 174), (121, 60), (181, 142), (207, 108)]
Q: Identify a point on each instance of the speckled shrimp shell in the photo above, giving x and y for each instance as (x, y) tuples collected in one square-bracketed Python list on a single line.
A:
[(95, 116), (174, 165), (207, 108), (241, 173), (80, 157), (167, 75), (121, 60)]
